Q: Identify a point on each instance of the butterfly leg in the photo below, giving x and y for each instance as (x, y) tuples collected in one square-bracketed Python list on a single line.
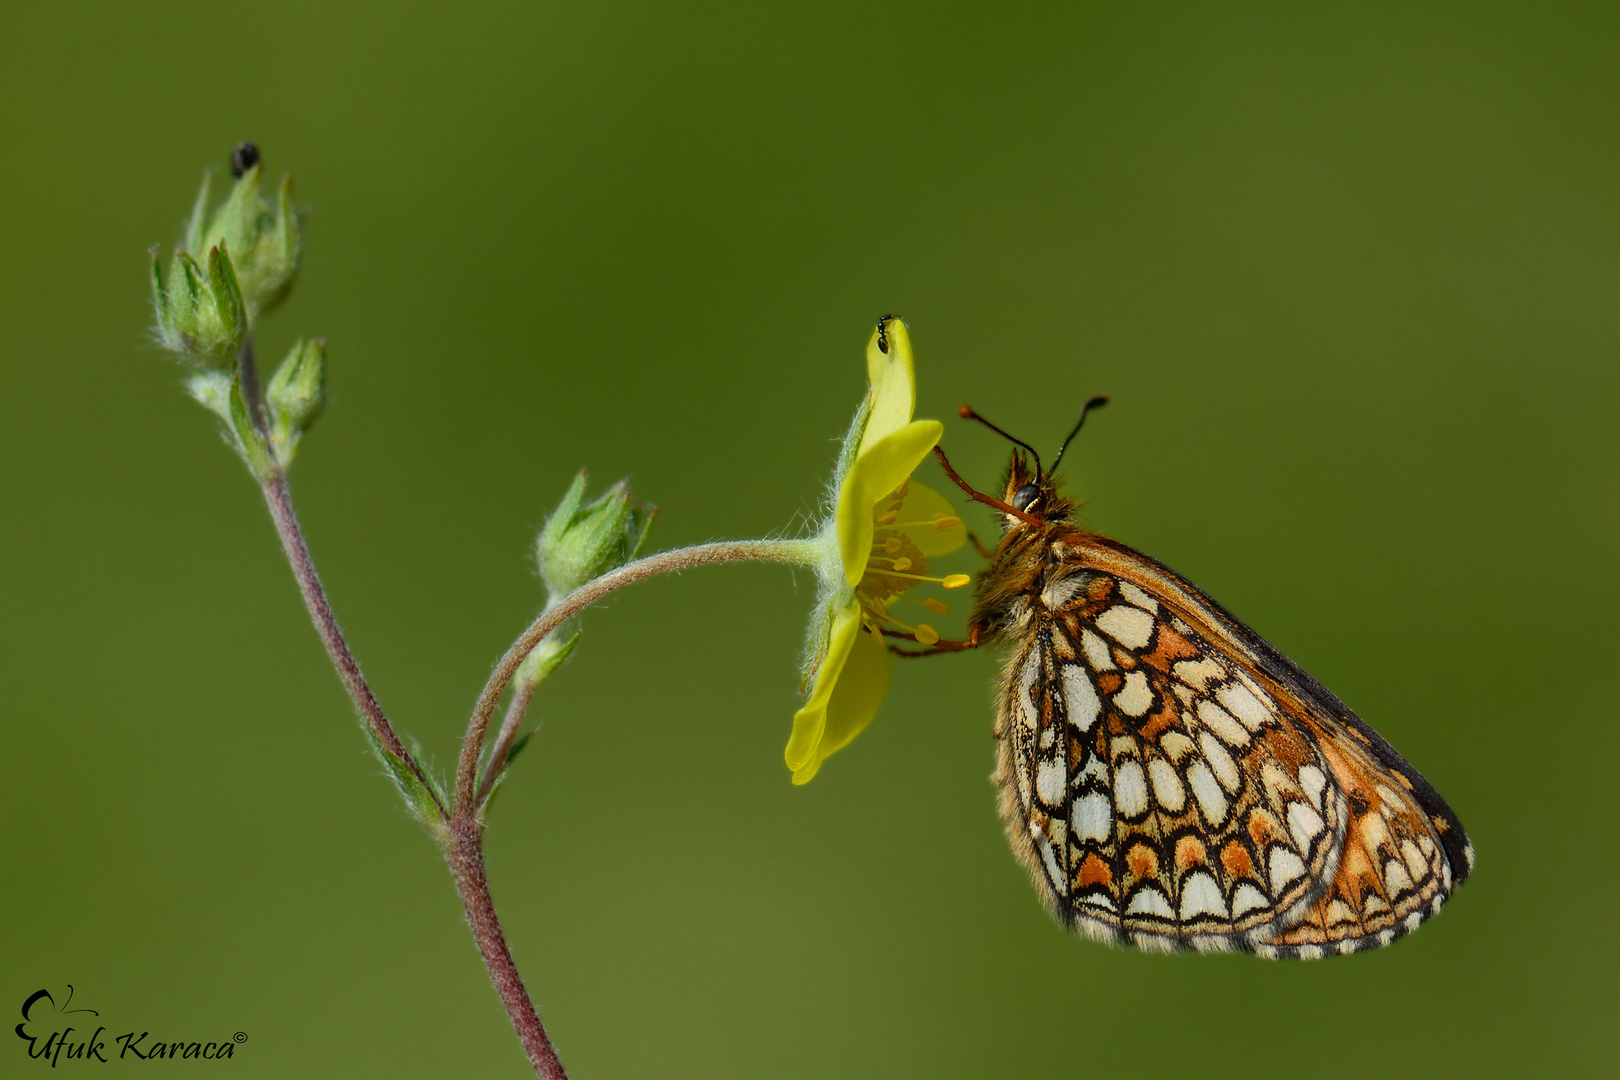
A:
[(943, 645), (984, 552)]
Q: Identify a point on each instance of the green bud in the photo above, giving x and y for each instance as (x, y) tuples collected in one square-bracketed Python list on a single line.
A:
[(251, 250), (546, 658), (201, 317), (264, 240), (580, 543), (295, 397)]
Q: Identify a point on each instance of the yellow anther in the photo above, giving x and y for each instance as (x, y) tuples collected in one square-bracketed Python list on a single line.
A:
[(902, 563), (926, 634), (905, 486), (936, 606), (891, 545), (886, 519), (956, 581), (877, 633), (943, 523)]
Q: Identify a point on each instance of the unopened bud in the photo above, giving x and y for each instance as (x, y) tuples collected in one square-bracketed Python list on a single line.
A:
[(295, 397), (198, 316), (582, 542), (201, 316), (265, 240), (546, 658)]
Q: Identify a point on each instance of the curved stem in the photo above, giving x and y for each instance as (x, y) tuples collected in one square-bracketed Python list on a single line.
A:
[(320, 612), (796, 552), (522, 696), (465, 850)]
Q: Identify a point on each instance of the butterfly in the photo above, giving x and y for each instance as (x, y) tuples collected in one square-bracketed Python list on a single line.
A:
[(1170, 779)]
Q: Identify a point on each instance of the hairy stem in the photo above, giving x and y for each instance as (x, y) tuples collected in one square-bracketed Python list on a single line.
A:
[(252, 389), (795, 552), (465, 852), (320, 612), (466, 857), (522, 696)]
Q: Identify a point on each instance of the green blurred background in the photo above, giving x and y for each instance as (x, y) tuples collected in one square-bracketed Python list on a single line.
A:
[(1350, 276)]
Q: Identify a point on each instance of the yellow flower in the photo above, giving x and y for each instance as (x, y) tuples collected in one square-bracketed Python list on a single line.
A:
[(875, 547)]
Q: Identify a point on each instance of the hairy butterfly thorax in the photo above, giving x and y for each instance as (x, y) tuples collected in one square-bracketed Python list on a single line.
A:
[(1168, 777)]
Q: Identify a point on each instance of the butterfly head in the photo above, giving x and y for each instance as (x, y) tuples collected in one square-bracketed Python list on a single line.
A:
[(1032, 491), (1029, 491)]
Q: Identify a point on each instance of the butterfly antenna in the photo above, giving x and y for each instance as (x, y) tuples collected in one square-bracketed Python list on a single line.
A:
[(979, 496), (1095, 403), (966, 412)]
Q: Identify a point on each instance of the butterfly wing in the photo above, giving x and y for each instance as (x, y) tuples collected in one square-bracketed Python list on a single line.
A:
[(1173, 781)]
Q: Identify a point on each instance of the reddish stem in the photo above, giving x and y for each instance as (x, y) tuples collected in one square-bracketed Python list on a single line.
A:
[(320, 612), (466, 858)]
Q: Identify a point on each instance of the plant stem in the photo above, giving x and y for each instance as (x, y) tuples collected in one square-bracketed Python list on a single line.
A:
[(465, 852), (795, 552), (466, 857), (252, 390), (320, 612), (522, 696), (464, 849)]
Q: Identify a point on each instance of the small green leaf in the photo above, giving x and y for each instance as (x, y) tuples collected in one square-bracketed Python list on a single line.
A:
[(193, 275), (249, 443), (160, 295), (517, 747), (237, 219), (199, 214), (233, 317), (418, 797)]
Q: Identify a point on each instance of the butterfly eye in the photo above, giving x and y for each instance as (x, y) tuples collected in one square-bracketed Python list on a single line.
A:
[(1025, 496)]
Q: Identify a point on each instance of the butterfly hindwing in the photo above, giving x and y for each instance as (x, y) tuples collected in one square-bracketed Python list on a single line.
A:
[(1161, 797), (1171, 780)]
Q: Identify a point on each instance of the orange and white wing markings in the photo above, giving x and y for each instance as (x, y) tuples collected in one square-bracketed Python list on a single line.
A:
[(1173, 782)]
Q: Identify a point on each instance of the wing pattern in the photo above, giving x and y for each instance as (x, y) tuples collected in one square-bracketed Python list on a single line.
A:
[(1173, 782)]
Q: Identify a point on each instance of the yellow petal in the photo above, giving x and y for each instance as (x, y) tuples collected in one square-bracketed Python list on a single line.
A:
[(921, 514), (848, 705), (894, 384), (877, 472), (810, 721)]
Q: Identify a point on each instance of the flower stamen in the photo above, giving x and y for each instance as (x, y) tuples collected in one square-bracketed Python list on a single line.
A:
[(945, 581), (943, 524)]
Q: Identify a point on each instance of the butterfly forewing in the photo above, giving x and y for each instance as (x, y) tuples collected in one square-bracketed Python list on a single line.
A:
[(1172, 781)]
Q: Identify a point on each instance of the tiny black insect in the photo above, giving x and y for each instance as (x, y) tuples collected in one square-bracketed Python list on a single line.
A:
[(883, 333), (243, 158)]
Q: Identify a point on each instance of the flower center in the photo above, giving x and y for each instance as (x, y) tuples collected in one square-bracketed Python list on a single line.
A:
[(897, 564)]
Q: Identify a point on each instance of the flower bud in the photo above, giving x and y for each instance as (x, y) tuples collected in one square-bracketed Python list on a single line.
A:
[(546, 658), (251, 250), (580, 543), (264, 241), (295, 397), (201, 317)]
